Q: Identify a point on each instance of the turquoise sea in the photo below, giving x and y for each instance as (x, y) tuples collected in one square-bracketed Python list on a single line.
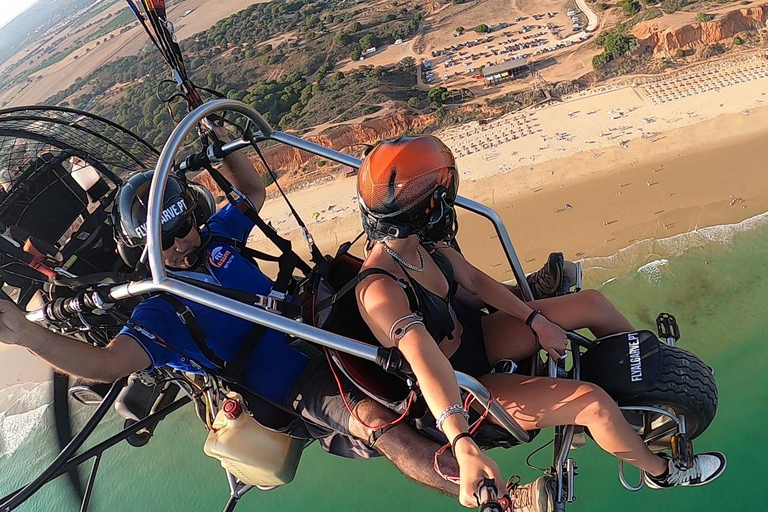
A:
[(713, 280)]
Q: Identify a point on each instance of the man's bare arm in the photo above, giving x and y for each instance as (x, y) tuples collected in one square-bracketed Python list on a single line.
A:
[(121, 357), (239, 170)]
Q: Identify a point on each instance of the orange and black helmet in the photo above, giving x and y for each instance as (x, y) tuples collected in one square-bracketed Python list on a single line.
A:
[(407, 186)]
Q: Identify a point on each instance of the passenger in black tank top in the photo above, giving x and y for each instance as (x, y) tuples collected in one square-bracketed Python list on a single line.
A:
[(406, 189)]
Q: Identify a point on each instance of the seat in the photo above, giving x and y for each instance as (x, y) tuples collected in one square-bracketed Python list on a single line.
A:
[(389, 389)]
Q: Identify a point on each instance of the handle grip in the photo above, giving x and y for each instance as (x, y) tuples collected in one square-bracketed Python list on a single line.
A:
[(488, 492)]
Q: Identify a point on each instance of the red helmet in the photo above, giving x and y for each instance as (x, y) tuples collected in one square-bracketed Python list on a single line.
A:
[(407, 186)]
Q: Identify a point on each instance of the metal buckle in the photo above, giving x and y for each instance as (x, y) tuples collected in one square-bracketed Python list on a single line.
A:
[(185, 315)]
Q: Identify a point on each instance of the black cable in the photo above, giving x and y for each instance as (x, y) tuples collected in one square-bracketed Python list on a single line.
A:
[(534, 452), (317, 256)]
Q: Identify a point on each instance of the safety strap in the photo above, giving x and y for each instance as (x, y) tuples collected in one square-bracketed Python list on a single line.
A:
[(233, 371), (377, 433), (329, 301), (198, 335), (243, 249), (288, 260)]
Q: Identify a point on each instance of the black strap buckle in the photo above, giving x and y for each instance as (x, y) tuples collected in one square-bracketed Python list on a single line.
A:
[(186, 315)]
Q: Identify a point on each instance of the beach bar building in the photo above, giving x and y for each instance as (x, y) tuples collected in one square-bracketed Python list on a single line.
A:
[(508, 70)]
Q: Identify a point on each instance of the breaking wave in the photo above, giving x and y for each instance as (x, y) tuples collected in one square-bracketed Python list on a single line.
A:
[(648, 256), (23, 407), (653, 270)]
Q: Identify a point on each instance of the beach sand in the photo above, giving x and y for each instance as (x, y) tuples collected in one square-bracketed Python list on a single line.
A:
[(684, 164), (18, 366)]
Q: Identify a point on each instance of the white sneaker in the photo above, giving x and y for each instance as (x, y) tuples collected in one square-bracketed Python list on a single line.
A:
[(706, 467)]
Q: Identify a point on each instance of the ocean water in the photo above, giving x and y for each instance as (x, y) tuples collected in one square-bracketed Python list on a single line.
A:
[(713, 280)]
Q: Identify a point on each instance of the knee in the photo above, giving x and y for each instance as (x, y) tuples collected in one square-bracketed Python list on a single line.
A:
[(598, 406), (370, 413), (596, 301)]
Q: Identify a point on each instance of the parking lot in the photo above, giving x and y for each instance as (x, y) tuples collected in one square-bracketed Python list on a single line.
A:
[(523, 37)]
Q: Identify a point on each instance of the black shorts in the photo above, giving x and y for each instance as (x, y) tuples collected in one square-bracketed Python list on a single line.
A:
[(317, 399), (470, 357)]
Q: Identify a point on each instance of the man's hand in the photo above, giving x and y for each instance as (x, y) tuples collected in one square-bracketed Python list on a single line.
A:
[(13, 324), (474, 465)]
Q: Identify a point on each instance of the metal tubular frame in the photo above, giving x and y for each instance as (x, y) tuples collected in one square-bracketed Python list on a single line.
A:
[(161, 282)]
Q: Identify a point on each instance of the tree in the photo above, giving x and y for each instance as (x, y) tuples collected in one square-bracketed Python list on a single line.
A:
[(737, 41), (438, 95), (406, 64), (680, 53), (615, 44), (414, 102), (356, 53), (600, 59), (460, 30), (353, 27), (482, 28), (704, 17), (368, 41), (629, 7)]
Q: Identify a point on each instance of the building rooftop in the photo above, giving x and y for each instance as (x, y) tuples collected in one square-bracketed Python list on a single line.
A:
[(504, 66)]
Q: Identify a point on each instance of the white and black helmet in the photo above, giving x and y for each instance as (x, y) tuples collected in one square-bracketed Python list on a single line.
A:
[(185, 206)]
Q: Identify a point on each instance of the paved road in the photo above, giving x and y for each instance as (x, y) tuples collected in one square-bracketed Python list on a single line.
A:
[(592, 19)]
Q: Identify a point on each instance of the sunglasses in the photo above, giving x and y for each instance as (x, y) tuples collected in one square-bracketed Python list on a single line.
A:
[(180, 232)]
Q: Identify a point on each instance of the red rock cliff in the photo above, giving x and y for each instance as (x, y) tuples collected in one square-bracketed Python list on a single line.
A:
[(723, 28), (287, 158)]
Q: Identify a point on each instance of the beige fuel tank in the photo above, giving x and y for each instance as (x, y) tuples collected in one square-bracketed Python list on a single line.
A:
[(251, 452)]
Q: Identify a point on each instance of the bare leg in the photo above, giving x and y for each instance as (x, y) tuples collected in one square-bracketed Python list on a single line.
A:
[(538, 402), (507, 337), (408, 450)]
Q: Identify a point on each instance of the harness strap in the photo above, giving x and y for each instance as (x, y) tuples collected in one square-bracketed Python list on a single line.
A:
[(377, 433), (243, 249), (233, 371), (328, 301), (289, 260), (236, 369), (198, 336), (285, 308)]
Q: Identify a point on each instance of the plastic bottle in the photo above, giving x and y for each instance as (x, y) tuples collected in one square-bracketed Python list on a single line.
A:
[(254, 454)]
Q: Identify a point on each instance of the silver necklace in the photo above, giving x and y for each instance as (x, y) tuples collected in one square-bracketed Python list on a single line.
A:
[(404, 263)]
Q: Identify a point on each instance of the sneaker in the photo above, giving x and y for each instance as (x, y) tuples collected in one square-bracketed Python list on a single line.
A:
[(547, 281), (536, 496), (706, 467)]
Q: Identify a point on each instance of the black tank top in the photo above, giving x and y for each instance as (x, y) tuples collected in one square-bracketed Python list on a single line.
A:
[(439, 316)]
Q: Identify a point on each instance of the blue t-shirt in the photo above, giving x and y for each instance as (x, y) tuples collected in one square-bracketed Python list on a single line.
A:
[(274, 367)]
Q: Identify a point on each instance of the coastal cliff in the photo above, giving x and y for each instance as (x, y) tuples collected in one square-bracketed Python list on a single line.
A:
[(723, 28), (288, 161)]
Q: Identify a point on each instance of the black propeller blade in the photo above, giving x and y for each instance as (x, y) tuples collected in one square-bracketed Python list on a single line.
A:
[(64, 427)]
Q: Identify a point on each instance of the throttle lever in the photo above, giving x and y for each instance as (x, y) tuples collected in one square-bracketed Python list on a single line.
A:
[(488, 492)]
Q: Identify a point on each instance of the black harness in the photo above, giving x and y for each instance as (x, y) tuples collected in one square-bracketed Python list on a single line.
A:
[(234, 370)]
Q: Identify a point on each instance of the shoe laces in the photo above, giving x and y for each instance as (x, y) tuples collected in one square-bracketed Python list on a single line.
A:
[(522, 495), (679, 476)]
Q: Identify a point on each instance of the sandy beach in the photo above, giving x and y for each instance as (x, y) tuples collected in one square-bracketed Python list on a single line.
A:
[(598, 172)]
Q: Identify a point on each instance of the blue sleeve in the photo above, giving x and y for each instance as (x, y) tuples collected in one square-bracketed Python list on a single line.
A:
[(231, 223), (154, 320)]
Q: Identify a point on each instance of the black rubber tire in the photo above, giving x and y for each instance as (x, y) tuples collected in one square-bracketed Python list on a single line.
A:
[(686, 386)]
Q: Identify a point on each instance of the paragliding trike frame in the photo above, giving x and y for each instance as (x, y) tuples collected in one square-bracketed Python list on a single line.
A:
[(563, 467)]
